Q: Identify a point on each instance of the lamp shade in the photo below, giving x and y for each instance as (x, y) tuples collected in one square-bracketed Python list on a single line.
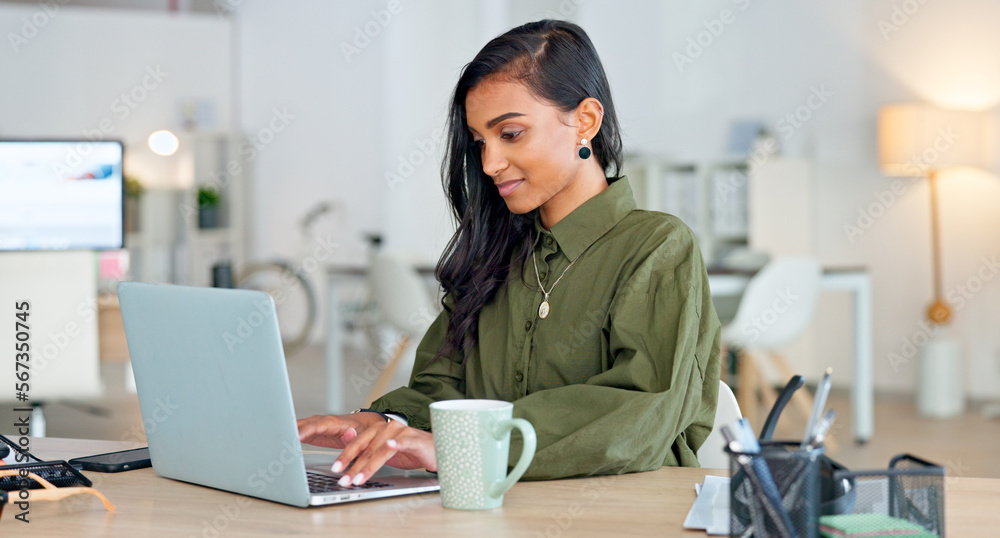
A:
[(914, 138)]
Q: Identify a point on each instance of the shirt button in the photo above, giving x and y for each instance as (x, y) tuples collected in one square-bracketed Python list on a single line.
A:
[(519, 377), (527, 325), (548, 241), (541, 275)]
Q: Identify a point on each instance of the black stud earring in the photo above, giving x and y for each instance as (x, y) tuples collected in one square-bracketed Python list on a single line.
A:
[(584, 151)]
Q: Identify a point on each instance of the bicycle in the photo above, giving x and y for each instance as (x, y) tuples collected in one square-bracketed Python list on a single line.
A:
[(288, 280)]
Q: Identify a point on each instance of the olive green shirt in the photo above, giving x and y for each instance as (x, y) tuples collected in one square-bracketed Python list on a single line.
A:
[(623, 374)]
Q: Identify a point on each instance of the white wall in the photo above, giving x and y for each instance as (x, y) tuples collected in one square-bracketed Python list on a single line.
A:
[(66, 78), (291, 59), (370, 113)]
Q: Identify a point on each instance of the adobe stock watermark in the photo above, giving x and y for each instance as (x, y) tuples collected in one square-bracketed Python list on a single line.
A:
[(958, 297), (245, 326), (411, 504), (408, 164), (161, 413), (228, 513), (263, 476), (256, 142), (365, 33), (122, 108), (250, 147), (957, 470), (55, 342), (584, 331), (226, 7), (919, 165), (704, 39), (562, 520), (565, 9), (136, 434), (374, 367), (31, 26), (762, 321), (789, 124), (794, 120), (900, 14)]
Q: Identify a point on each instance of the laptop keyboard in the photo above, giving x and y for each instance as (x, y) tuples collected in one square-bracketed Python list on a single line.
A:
[(320, 483)]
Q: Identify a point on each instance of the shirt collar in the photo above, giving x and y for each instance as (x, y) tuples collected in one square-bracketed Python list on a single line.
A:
[(587, 223)]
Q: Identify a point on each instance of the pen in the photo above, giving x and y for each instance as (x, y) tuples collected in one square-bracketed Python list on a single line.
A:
[(755, 469), (731, 441), (822, 427), (822, 391), (759, 475)]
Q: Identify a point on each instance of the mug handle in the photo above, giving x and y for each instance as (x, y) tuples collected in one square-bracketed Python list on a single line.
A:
[(527, 452)]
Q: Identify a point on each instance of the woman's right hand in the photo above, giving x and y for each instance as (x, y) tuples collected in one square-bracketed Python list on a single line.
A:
[(334, 431), (369, 442)]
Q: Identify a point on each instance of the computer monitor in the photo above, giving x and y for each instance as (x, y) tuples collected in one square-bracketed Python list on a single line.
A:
[(61, 195)]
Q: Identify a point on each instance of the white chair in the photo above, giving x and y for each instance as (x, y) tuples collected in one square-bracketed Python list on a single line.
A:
[(404, 303), (711, 453), (777, 306)]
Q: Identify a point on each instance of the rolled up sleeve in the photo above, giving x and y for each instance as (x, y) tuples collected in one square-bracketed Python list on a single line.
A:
[(430, 381)]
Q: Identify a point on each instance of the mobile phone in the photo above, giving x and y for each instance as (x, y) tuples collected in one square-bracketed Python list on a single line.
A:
[(114, 462)]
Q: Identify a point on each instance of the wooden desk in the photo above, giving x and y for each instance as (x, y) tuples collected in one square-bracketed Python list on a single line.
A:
[(647, 504)]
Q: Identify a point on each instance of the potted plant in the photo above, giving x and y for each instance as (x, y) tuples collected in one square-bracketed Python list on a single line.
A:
[(133, 194), (208, 207)]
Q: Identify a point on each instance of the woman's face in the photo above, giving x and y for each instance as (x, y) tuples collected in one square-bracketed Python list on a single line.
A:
[(527, 147)]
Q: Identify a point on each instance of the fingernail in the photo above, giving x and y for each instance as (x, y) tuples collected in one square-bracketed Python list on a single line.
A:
[(337, 466), (358, 479), (344, 481)]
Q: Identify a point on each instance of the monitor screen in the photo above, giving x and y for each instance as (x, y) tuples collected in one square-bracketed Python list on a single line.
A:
[(61, 194)]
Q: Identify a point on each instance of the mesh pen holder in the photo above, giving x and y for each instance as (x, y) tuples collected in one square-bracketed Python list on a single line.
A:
[(910, 492), (776, 492)]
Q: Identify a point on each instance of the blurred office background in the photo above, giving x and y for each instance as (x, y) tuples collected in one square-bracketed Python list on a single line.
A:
[(315, 128)]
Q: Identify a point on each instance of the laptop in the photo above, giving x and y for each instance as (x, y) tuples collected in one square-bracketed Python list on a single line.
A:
[(216, 403)]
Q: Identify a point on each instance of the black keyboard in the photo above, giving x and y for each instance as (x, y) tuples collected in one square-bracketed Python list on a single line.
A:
[(321, 483)]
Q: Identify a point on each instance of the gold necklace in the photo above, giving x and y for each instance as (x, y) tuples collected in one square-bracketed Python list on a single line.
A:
[(543, 309)]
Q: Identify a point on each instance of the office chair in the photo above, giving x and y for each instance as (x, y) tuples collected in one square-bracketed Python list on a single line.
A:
[(711, 453), (404, 303), (777, 306)]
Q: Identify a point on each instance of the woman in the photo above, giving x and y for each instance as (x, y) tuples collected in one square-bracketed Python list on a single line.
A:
[(592, 316)]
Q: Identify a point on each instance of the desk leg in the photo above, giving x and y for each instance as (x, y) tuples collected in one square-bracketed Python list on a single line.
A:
[(334, 350), (862, 390)]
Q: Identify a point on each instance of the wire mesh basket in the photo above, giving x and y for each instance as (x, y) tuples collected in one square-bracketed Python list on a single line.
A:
[(906, 499), (776, 492)]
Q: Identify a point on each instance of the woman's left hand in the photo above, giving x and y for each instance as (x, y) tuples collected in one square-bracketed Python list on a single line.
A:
[(385, 443)]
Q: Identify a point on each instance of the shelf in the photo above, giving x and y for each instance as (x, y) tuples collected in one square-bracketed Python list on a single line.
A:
[(170, 247), (700, 192)]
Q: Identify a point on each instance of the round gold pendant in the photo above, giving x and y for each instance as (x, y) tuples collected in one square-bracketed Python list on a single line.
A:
[(543, 310)]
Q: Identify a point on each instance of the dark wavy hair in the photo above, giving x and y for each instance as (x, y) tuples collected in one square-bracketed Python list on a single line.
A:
[(557, 62)]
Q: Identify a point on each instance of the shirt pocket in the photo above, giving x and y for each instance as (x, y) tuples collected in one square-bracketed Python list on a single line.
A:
[(574, 356)]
